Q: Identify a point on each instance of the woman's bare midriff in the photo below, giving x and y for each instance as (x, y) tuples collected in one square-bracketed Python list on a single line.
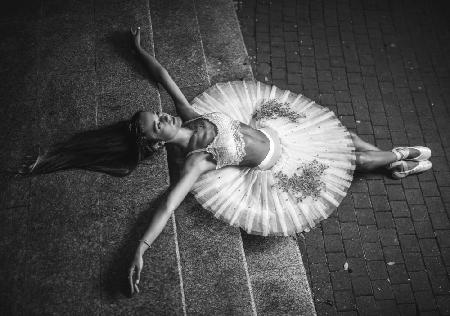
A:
[(256, 143)]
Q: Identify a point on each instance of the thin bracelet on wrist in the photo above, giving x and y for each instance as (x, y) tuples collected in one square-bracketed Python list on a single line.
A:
[(146, 242)]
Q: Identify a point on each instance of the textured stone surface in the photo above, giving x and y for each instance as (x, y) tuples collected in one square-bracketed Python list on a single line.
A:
[(213, 262), (70, 236), (226, 56), (19, 65), (277, 274), (277, 292), (178, 45), (211, 253)]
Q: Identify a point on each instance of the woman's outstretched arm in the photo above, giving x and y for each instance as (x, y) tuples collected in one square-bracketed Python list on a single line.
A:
[(160, 74), (194, 166)]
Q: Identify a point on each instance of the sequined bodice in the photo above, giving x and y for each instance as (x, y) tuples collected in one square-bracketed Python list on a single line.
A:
[(228, 146)]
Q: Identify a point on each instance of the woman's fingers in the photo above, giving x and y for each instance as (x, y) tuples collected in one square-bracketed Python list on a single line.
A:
[(130, 280), (138, 275), (136, 31)]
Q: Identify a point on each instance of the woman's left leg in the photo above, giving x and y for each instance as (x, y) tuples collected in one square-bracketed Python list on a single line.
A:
[(361, 145), (372, 159)]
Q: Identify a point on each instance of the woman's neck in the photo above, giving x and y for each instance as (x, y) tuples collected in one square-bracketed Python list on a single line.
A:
[(182, 137)]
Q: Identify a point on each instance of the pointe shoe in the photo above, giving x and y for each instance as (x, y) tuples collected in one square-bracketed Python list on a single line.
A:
[(422, 166), (425, 153)]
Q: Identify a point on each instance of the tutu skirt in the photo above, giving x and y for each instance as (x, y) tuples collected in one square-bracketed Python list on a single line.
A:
[(305, 185)]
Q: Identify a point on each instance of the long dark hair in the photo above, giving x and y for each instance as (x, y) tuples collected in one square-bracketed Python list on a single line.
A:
[(115, 149)]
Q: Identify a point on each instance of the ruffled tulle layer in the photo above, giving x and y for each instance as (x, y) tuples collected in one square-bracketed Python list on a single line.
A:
[(306, 184)]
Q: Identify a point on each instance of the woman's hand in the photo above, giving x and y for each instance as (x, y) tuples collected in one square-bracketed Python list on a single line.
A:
[(136, 36), (136, 265)]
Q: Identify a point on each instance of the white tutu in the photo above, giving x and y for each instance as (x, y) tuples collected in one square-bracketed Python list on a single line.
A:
[(306, 184)]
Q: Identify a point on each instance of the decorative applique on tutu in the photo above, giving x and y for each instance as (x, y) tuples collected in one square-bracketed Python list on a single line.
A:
[(305, 185), (273, 108)]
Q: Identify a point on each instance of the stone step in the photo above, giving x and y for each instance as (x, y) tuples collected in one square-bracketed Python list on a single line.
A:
[(275, 266), (215, 278), (72, 234)]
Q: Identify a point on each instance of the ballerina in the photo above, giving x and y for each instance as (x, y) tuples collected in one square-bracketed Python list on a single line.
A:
[(267, 160)]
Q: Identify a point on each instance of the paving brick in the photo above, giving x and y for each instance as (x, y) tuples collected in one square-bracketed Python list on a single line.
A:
[(325, 308), (410, 183), (357, 267), (372, 251), (425, 301), (424, 229), (365, 216), (341, 280), (440, 284), (429, 247), (380, 203), (404, 225), (319, 272), (419, 212), (413, 261), (382, 290), (346, 213), (409, 243), (388, 237), (344, 300), (366, 305), (420, 281), (364, 128), (361, 286), (377, 270), (393, 254), (333, 243), (440, 221), (434, 205), (387, 307), (445, 252), (397, 273), (384, 220), (376, 187), (443, 237), (316, 254), (414, 196), (359, 185), (395, 192), (429, 188), (445, 193), (408, 309), (435, 265), (368, 233), (322, 291), (443, 303), (330, 226), (399, 209), (403, 293), (353, 248), (349, 230), (336, 261), (361, 200)]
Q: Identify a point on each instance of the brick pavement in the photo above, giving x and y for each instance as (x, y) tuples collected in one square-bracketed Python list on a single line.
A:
[(383, 68)]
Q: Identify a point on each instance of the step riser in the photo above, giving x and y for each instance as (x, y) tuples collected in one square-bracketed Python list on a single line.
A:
[(227, 59), (210, 251)]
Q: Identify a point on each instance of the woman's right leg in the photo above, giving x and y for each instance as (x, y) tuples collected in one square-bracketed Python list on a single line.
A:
[(372, 159)]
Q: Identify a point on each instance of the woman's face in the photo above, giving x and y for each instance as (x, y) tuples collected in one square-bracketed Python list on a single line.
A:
[(159, 126)]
